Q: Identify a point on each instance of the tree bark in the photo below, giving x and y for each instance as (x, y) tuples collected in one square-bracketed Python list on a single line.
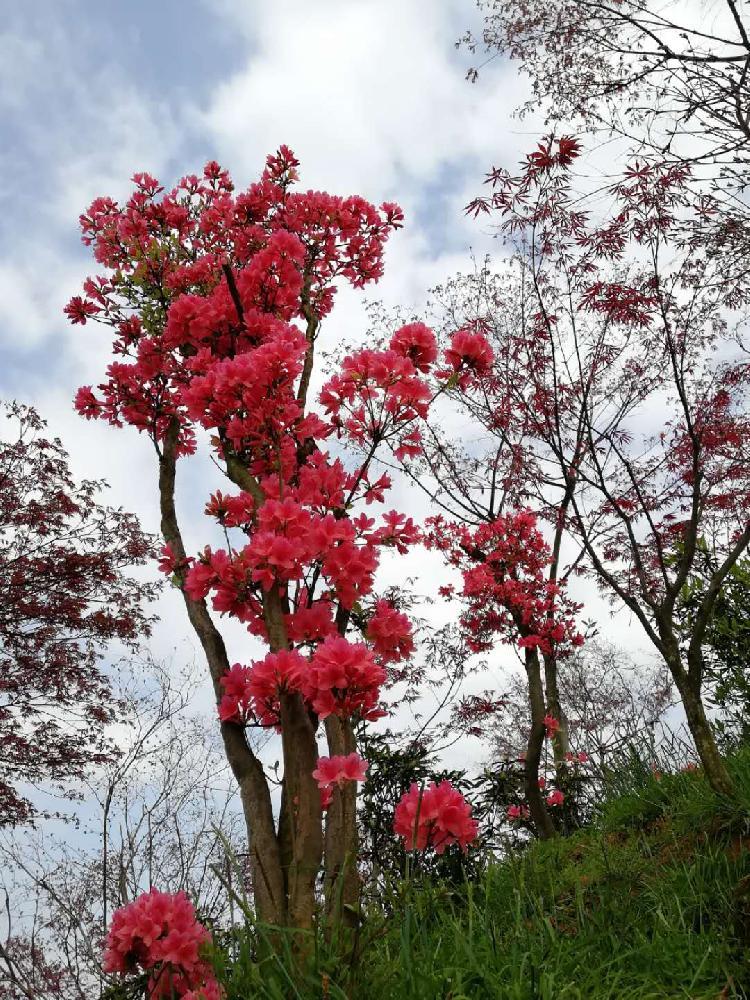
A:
[(714, 765), (341, 879), (542, 822), (560, 739)]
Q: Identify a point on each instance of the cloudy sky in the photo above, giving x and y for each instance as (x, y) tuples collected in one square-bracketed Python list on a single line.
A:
[(370, 94)]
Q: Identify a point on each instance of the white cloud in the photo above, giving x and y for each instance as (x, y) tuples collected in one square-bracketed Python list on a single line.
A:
[(369, 95)]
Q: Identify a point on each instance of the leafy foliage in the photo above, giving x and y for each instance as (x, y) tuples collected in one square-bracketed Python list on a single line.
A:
[(65, 595)]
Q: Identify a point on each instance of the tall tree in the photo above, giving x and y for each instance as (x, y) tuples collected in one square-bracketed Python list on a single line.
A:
[(217, 300), (65, 595), (637, 389)]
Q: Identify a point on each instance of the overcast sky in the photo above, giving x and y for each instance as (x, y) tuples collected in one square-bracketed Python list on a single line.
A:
[(370, 94)]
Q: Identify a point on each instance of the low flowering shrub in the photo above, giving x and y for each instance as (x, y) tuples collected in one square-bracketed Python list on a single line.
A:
[(436, 816), (158, 933)]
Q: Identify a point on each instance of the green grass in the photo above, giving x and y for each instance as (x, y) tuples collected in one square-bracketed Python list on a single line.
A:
[(653, 901)]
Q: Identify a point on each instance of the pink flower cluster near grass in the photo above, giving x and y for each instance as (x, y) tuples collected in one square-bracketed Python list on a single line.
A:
[(158, 933)]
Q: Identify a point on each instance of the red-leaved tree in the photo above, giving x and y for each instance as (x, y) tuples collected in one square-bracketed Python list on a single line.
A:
[(65, 594), (633, 388), (216, 299)]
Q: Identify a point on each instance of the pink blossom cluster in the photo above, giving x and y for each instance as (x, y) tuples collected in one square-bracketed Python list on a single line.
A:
[(520, 812), (341, 678), (505, 585), (469, 356), (516, 813), (551, 726), (289, 540), (244, 278), (390, 633), (158, 933), (339, 769), (379, 394), (436, 816)]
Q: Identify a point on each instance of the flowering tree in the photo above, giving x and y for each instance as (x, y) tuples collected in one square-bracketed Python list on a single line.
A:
[(613, 707), (216, 299), (65, 596), (509, 596), (497, 499), (626, 325)]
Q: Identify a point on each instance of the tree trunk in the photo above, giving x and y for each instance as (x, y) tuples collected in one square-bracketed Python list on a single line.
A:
[(714, 766), (265, 859), (303, 802), (302, 836), (543, 823), (560, 740), (341, 879)]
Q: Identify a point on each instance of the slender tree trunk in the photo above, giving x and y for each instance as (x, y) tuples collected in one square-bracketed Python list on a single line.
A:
[(543, 823), (714, 766), (265, 858), (560, 739), (303, 802), (688, 682), (302, 835), (341, 879)]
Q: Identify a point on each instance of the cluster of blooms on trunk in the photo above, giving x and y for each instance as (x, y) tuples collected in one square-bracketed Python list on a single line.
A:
[(158, 933)]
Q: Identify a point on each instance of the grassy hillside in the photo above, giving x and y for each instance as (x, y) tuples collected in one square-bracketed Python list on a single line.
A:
[(651, 902)]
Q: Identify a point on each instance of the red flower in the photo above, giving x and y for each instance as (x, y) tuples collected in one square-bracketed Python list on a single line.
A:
[(551, 725), (437, 816), (469, 355), (79, 309), (516, 813), (416, 342), (390, 633), (159, 933), (339, 769), (344, 679)]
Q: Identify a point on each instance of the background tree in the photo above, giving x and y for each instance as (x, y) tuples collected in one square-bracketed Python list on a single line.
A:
[(627, 326), (509, 598), (615, 709), (65, 596), (483, 480), (671, 78), (726, 644)]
